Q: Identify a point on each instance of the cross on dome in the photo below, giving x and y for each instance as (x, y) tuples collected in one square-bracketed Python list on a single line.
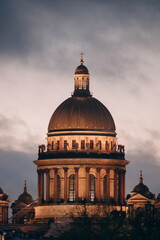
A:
[(82, 54)]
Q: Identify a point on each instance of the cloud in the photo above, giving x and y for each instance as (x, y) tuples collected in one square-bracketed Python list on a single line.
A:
[(15, 168)]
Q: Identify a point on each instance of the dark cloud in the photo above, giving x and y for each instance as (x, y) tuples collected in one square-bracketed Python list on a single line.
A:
[(15, 168)]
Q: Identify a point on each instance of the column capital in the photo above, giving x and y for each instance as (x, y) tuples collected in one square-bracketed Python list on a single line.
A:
[(87, 169), (65, 169), (47, 170), (107, 170), (122, 171), (55, 170), (116, 170), (98, 169), (76, 169), (40, 171)]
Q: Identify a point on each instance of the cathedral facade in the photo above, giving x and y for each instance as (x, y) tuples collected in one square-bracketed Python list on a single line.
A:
[(82, 161)]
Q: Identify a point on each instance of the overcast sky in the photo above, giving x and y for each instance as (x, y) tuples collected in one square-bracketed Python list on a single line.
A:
[(40, 42)]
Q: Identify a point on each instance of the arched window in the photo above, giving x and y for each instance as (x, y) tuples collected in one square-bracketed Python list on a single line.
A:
[(58, 188), (92, 187), (105, 188), (72, 188)]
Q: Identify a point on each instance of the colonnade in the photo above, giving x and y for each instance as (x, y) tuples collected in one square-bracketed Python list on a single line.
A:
[(115, 185)]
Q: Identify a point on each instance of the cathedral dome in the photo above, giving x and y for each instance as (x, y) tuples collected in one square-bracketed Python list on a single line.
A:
[(81, 113), (81, 69)]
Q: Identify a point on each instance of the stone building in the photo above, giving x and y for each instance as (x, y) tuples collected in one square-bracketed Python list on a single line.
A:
[(82, 161), (22, 208), (141, 201), (4, 203)]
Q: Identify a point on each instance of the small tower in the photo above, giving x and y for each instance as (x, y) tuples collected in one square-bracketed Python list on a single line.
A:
[(81, 80), (22, 208)]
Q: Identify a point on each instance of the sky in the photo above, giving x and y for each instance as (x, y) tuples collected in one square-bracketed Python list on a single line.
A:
[(40, 42)]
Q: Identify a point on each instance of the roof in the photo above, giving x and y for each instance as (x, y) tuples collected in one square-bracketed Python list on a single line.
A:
[(86, 113), (81, 69)]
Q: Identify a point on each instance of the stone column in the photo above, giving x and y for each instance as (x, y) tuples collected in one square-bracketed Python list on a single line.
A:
[(39, 189), (42, 186), (87, 183), (76, 183), (47, 185), (124, 187), (121, 186), (111, 183), (55, 184), (115, 185), (108, 184), (65, 184), (98, 184), (51, 184)]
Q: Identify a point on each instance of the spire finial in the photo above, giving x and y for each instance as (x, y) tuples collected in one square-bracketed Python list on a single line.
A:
[(82, 54), (141, 178), (25, 186)]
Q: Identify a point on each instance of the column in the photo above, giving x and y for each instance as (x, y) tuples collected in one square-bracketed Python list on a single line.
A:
[(51, 185), (39, 191), (55, 184), (87, 183), (47, 185), (111, 173), (124, 187), (42, 186), (98, 184), (120, 186), (108, 184), (76, 183), (115, 185), (65, 184)]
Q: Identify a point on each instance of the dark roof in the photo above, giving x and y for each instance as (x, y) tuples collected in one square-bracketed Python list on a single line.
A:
[(25, 197), (144, 190), (81, 69), (86, 113)]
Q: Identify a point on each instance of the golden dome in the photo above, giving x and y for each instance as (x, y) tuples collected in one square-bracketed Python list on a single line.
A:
[(81, 113)]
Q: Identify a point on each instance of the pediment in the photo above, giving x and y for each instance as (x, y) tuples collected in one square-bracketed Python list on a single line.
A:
[(138, 197)]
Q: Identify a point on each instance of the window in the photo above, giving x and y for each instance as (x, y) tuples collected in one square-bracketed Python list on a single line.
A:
[(72, 188), (107, 146), (91, 144), (65, 145), (99, 145), (82, 144), (52, 145), (92, 187), (58, 145), (73, 144), (80, 83), (105, 188), (58, 188)]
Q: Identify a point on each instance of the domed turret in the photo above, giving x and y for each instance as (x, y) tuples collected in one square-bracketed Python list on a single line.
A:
[(143, 189), (25, 197)]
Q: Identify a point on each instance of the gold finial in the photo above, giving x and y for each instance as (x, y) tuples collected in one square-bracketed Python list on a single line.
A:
[(82, 54), (25, 186)]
